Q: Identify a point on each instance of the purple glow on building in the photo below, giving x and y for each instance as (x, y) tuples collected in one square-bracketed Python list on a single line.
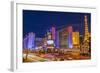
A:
[(25, 41), (70, 30), (54, 36), (31, 41), (57, 40), (70, 45), (53, 33)]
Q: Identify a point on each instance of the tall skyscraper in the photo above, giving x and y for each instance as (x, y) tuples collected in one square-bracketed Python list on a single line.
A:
[(54, 36), (62, 37), (57, 40), (75, 38), (53, 31), (70, 43), (31, 40), (25, 42)]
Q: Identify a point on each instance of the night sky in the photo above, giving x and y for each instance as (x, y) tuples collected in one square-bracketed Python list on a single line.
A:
[(41, 21)]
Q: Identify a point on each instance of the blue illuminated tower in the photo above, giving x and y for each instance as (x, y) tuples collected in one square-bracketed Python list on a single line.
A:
[(54, 35), (25, 42), (31, 41), (70, 30)]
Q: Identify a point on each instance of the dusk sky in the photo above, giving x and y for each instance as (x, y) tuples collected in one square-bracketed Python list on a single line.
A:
[(41, 21)]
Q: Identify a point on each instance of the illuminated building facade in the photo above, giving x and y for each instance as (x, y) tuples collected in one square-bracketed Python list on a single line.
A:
[(70, 30), (53, 33), (39, 42), (45, 41), (57, 40), (76, 39), (25, 42), (31, 41), (62, 36), (51, 38), (54, 36)]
